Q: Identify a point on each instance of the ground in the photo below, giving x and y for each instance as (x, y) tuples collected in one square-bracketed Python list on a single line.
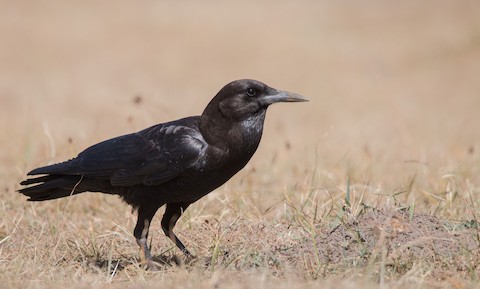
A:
[(374, 183)]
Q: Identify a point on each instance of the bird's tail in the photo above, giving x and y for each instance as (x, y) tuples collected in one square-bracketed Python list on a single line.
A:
[(51, 187)]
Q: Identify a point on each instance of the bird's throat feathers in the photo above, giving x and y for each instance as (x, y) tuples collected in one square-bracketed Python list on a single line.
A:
[(252, 126)]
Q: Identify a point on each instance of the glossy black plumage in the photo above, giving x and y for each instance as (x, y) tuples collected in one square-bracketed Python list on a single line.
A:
[(174, 163)]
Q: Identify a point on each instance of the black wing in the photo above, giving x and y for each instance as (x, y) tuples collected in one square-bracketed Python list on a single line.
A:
[(150, 157)]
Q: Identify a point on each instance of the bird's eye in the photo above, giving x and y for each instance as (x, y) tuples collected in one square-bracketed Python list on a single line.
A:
[(251, 92)]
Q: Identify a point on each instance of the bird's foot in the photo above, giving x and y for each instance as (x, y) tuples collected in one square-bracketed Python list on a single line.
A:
[(203, 262), (152, 265), (184, 260)]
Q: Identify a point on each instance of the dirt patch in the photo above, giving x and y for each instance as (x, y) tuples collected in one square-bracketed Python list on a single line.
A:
[(394, 241), (389, 241)]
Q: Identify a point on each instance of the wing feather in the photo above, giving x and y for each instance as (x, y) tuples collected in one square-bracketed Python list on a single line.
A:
[(150, 157)]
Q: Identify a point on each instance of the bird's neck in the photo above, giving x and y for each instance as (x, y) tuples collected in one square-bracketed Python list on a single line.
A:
[(233, 135)]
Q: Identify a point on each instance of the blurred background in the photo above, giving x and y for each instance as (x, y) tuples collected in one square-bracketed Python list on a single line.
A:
[(394, 86)]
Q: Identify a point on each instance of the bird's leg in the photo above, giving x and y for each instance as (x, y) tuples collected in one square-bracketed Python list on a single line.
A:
[(170, 218), (142, 242), (145, 216)]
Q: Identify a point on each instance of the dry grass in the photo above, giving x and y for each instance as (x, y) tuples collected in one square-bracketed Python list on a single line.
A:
[(373, 183)]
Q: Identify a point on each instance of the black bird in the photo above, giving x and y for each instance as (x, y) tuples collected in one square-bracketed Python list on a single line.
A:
[(174, 163)]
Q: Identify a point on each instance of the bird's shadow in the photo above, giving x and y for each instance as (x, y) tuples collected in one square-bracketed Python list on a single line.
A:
[(162, 262)]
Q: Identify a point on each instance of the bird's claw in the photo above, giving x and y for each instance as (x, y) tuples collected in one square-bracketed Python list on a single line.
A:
[(152, 265)]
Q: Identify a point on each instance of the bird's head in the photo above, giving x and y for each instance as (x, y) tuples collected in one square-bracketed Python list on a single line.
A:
[(242, 99)]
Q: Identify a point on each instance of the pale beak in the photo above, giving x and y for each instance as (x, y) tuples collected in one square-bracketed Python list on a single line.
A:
[(282, 96)]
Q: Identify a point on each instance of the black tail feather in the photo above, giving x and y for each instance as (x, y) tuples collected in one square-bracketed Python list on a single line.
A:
[(42, 179), (55, 169), (51, 187)]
